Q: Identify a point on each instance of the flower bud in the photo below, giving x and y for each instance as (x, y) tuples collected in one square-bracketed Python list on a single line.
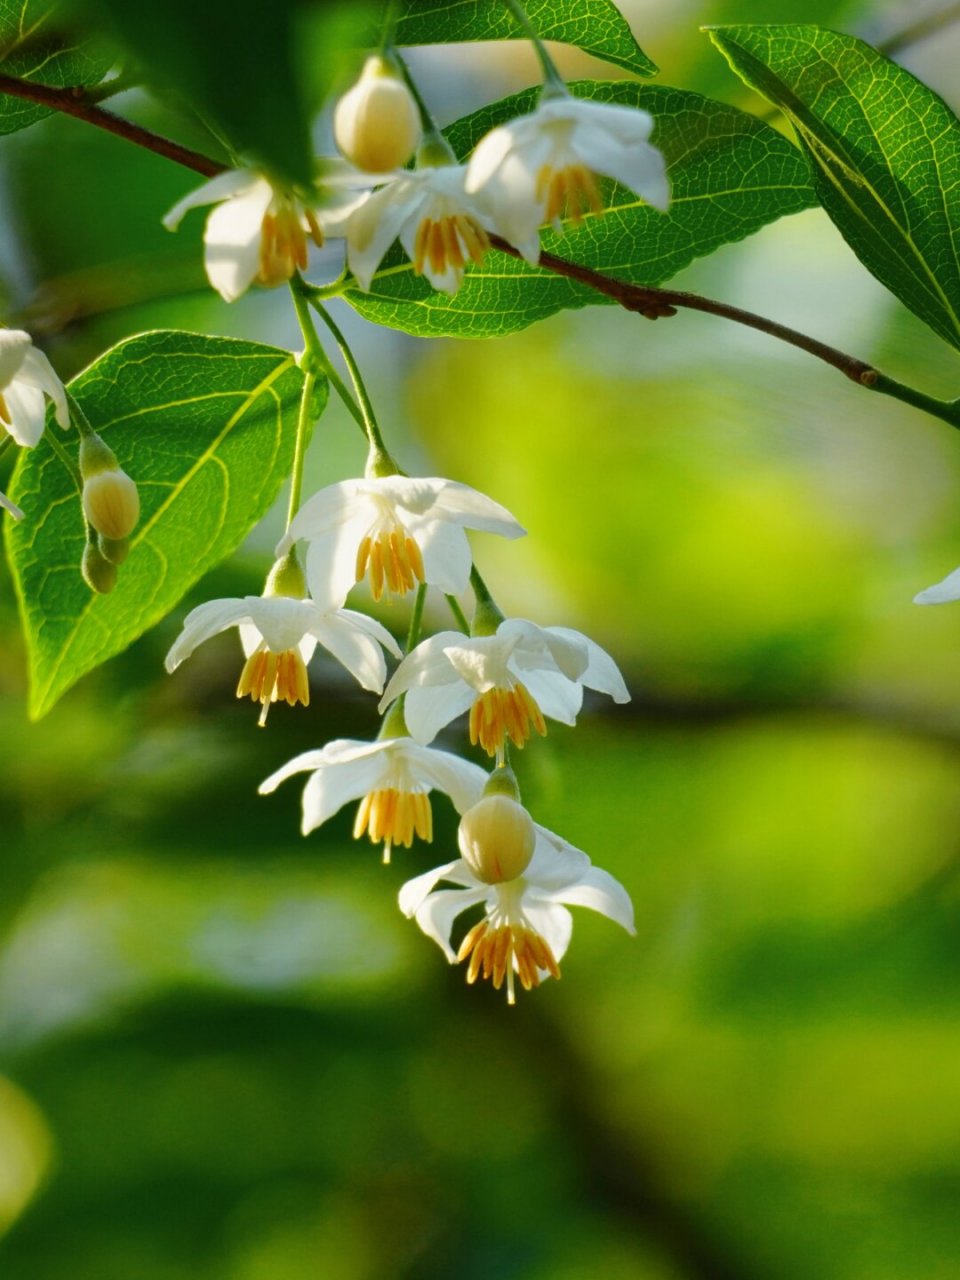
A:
[(111, 503), (376, 123), (99, 574), (497, 839), (115, 550)]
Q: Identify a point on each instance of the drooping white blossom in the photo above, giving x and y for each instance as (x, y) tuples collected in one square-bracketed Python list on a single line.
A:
[(259, 231), (396, 530), (392, 778), (27, 380), (541, 167), (440, 226), (279, 635), (508, 681), (526, 927)]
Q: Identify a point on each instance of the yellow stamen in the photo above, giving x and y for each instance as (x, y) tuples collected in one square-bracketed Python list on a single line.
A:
[(499, 714), (447, 244), (569, 192), (390, 558), (273, 677), (499, 952), (283, 244), (394, 817)]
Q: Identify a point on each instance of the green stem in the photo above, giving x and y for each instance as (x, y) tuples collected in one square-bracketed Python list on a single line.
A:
[(67, 461), (302, 292), (487, 614), (363, 399), (78, 417), (433, 139), (304, 423), (5, 443), (389, 26), (110, 88), (551, 76), (462, 621), (416, 618), (945, 410)]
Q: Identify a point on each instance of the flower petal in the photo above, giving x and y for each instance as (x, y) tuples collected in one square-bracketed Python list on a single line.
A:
[(436, 914), (461, 780), (557, 697), (206, 620), (371, 627), (415, 891), (223, 187), (331, 565), (332, 786), (37, 371), (427, 664), (638, 166), (28, 412), (553, 922), (555, 864), (427, 710), (942, 592), (374, 226), (446, 556), (14, 345), (339, 751), (231, 240), (601, 672), (474, 510), (599, 891), (353, 648)]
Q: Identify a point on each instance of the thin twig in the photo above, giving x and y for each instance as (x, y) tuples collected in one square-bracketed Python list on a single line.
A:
[(75, 102)]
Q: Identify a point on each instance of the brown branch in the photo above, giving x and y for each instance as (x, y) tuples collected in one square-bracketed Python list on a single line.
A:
[(75, 102), (650, 302), (654, 303)]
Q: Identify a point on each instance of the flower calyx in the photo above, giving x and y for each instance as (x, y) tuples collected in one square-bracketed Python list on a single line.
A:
[(111, 501)]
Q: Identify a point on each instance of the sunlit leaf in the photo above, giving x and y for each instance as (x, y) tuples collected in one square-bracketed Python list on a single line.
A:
[(596, 26), (33, 47), (731, 174), (206, 427), (885, 152)]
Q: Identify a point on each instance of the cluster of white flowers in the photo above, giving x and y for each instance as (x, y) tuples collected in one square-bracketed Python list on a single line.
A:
[(539, 168)]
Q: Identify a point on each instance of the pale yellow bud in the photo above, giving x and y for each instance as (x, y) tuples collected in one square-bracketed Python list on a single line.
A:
[(376, 123), (111, 503), (497, 839)]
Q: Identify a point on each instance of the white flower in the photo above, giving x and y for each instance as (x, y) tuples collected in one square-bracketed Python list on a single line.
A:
[(279, 635), (392, 777), (439, 225), (26, 379), (508, 681), (540, 167), (943, 592), (259, 231), (526, 926), (398, 530)]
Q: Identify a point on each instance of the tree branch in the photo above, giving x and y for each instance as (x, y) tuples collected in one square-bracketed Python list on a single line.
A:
[(76, 102), (652, 303)]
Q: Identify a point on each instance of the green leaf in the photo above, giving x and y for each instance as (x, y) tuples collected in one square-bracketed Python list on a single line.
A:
[(206, 427), (731, 174), (595, 26), (885, 152), (232, 61), (32, 47)]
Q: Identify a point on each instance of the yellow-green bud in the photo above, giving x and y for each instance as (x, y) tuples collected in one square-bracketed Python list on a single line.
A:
[(376, 123), (111, 503), (99, 574), (115, 550), (286, 578), (497, 839)]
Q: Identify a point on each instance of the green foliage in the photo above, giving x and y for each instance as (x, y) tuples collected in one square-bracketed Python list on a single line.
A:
[(884, 148), (206, 428), (595, 26), (731, 174), (32, 47), (231, 62)]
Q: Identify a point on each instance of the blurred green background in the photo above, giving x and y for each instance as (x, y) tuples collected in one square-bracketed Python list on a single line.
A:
[(223, 1052)]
